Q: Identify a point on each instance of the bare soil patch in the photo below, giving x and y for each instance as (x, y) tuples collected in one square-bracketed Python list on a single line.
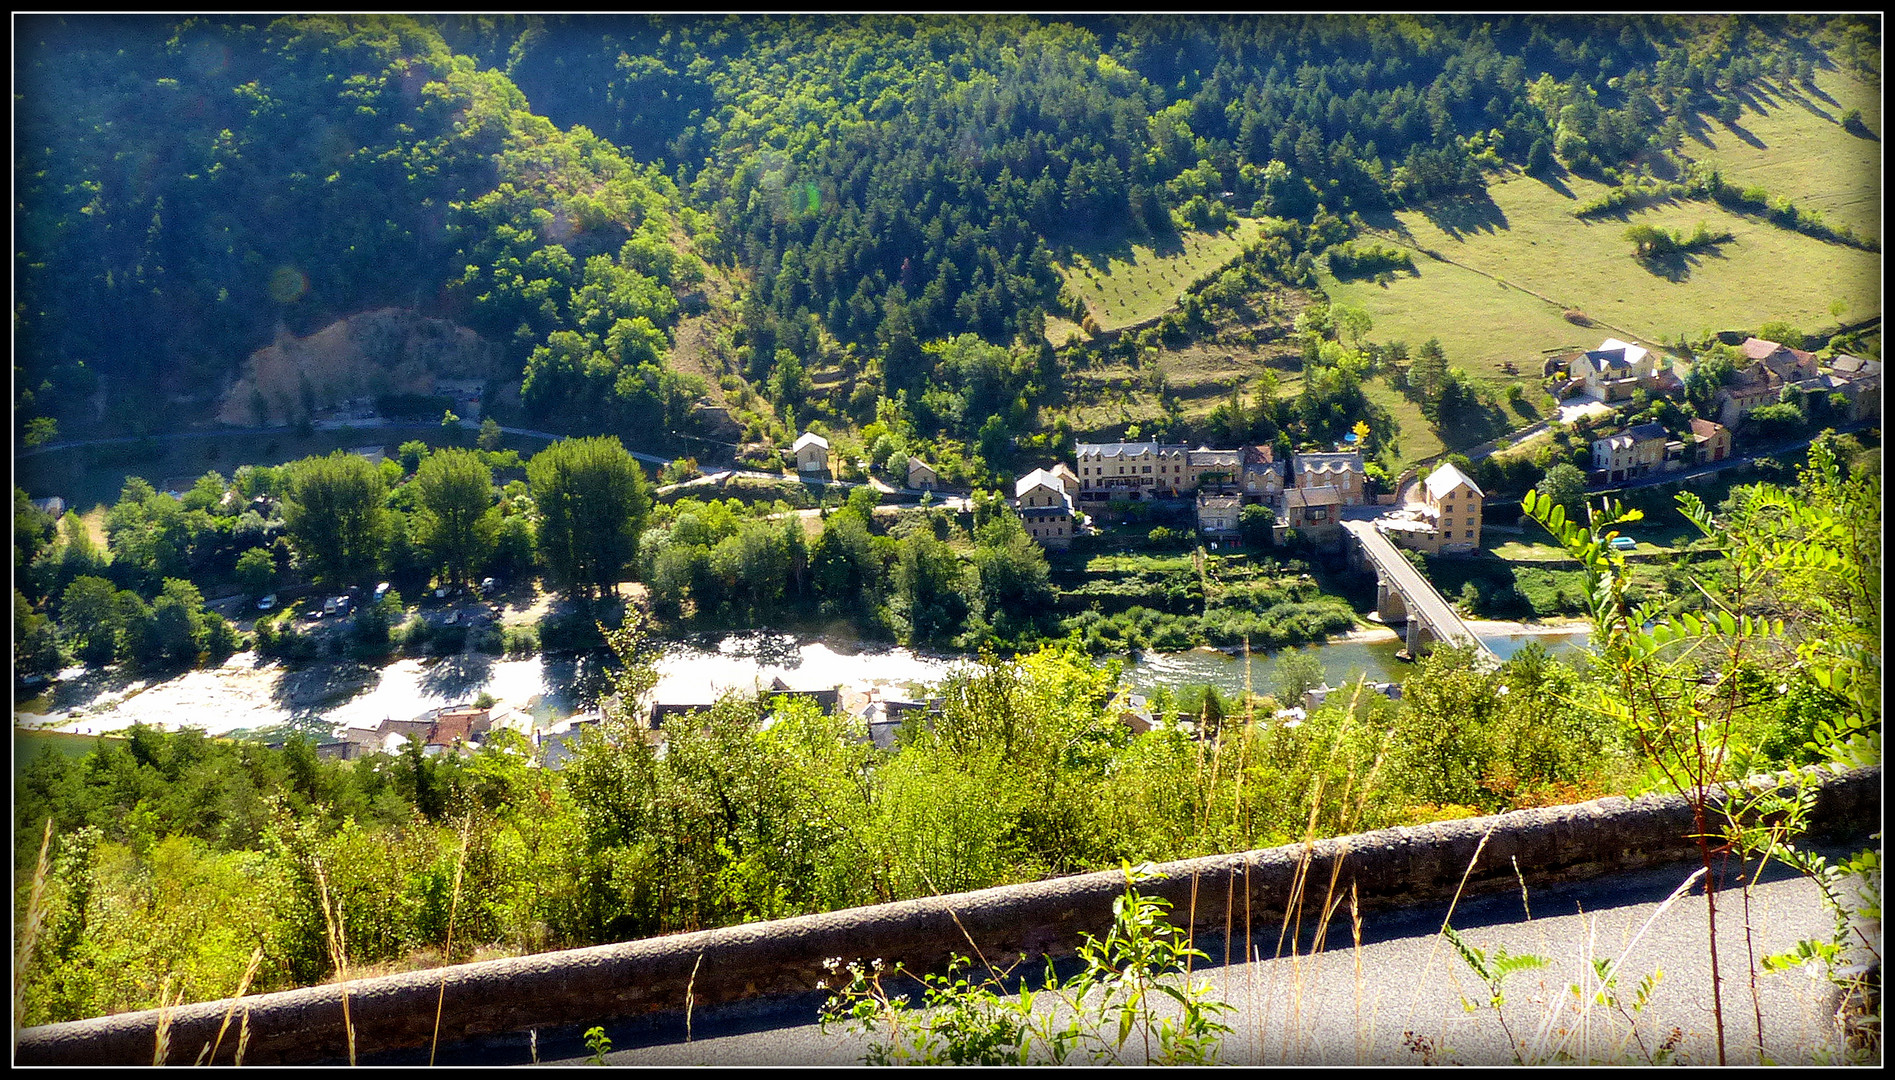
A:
[(388, 350)]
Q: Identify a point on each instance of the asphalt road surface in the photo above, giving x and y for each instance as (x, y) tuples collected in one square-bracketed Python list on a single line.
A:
[(1401, 996)]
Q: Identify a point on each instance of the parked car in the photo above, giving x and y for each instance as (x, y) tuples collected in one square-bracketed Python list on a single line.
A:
[(329, 606), (381, 591), (487, 586), (267, 602)]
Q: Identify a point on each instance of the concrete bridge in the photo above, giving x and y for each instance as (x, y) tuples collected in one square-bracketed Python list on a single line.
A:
[(1402, 595)]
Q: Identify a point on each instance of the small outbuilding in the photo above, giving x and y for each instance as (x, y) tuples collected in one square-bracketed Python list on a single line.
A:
[(812, 453), (922, 476)]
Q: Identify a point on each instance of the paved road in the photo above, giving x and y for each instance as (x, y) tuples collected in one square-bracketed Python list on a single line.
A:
[(326, 425), (1345, 1005)]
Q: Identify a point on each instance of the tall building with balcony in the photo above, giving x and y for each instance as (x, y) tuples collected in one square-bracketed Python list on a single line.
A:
[(1132, 471)]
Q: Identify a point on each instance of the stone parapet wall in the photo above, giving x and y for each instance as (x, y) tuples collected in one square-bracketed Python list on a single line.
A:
[(1387, 868)]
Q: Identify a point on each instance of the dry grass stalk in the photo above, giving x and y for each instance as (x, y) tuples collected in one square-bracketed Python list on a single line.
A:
[(338, 954), (29, 935), (1551, 1040), (243, 1037), (165, 1006), (1355, 929), (1299, 882), (447, 957), (690, 996), (243, 987), (1415, 1001)]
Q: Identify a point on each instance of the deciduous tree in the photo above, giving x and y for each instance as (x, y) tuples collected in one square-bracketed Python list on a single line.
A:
[(592, 499), (456, 521), (336, 518)]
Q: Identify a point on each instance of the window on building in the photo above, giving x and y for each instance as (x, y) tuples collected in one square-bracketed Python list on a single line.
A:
[(1148, 468)]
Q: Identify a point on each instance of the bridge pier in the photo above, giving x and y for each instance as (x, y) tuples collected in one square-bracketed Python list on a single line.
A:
[(1389, 604)]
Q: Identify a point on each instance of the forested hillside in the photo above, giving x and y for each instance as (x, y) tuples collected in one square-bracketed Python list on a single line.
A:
[(225, 182), (188, 190)]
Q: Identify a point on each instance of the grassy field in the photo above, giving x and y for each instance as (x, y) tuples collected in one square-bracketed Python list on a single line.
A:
[(1792, 143), (1524, 551), (1480, 323), (1416, 439), (1127, 283), (1058, 330), (1525, 236)]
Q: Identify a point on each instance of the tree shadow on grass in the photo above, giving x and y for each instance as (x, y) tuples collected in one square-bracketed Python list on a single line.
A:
[(1386, 221), (1625, 213), (1551, 178), (1467, 427), (1100, 248), (1761, 96), (457, 677), (1803, 100), (1465, 213), (1676, 266), (1744, 134)]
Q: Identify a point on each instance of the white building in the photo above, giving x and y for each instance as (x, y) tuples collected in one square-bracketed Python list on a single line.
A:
[(812, 453), (1045, 507)]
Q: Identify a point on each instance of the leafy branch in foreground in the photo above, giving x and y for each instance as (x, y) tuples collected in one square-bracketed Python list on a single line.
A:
[(1683, 686), (968, 1022), (1494, 971)]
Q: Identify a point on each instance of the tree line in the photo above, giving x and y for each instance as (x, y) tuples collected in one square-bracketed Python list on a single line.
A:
[(336, 521)]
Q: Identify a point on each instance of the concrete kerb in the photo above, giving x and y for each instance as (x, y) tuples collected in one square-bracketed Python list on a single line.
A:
[(1388, 868)]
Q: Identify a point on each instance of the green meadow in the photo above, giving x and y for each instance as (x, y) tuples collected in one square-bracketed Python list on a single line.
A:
[(1480, 323), (1127, 283), (1517, 259), (1792, 143)]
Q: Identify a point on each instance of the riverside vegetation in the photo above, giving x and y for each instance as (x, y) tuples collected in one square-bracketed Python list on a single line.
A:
[(174, 857), (1649, 677), (451, 516)]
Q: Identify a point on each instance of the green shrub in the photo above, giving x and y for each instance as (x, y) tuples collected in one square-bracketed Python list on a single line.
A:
[(519, 640), (490, 640)]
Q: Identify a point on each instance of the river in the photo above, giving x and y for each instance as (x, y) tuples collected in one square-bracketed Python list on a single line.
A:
[(249, 695)]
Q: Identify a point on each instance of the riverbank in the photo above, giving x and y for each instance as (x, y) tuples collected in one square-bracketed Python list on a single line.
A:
[(1361, 635), (1494, 627), (248, 694)]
